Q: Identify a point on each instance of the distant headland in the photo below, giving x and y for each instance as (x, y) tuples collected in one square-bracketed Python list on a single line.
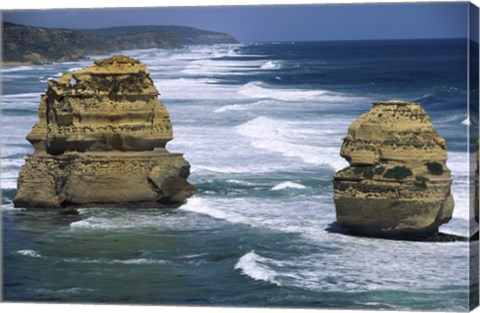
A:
[(38, 45)]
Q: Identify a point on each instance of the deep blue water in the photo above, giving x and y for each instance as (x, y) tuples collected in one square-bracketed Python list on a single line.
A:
[(261, 124)]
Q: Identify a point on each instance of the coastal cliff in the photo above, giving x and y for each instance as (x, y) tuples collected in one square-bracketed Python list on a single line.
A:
[(397, 184), (28, 44), (101, 139)]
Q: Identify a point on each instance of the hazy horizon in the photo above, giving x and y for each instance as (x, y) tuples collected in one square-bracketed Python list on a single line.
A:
[(311, 40), (318, 22)]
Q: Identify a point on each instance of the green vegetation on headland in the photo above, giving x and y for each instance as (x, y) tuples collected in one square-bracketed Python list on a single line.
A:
[(37, 45)]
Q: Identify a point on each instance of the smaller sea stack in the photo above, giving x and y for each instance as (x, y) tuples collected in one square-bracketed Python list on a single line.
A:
[(100, 140), (397, 184)]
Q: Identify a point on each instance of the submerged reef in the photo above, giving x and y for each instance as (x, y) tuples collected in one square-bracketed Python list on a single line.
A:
[(100, 140), (397, 184)]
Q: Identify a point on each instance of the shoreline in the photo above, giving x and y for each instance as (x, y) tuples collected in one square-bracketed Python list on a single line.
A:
[(13, 64)]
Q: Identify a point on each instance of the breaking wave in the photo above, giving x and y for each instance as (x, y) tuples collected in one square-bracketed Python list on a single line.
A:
[(288, 184), (199, 205), (254, 266), (271, 65), (30, 253), (284, 137), (244, 107), (261, 90)]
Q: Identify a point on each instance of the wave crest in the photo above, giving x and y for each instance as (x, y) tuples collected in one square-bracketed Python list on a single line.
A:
[(30, 253), (257, 89), (288, 184), (254, 266), (271, 65), (290, 139)]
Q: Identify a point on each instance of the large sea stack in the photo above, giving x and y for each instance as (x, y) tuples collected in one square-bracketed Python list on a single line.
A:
[(397, 184), (100, 140)]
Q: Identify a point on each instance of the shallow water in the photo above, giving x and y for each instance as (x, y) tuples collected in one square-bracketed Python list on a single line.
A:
[(261, 124)]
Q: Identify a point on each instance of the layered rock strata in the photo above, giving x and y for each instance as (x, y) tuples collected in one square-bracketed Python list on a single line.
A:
[(101, 139), (397, 184)]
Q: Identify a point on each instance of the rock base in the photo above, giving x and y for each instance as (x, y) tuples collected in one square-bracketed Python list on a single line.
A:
[(152, 178)]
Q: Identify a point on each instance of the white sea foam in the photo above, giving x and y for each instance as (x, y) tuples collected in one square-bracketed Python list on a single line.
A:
[(139, 261), (10, 207), (45, 80), (252, 168), (26, 101), (193, 89), (127, 220), (86, 223), (10, 170), (9, 183), (447, 119), (284, 137), (466, 122), (10, 152), (271, 65), (18, 69), (288, 184), (261, 90), (247, 106), (254, 266), (386, 270), (240, 182), (9, 163), (209, 66), (267, 213), (458, 163), (231, 107), (22, 95), (30, 253), (191, 256), (75, 290), (201, 206), (74, 69)]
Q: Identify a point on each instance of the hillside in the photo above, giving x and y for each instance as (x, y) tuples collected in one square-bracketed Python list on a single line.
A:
[(182, 34), (28, 44)]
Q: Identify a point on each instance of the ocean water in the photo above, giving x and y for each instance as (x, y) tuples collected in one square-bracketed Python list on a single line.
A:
[(261, 125)]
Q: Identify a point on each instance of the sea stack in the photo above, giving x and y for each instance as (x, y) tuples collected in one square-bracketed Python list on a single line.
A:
[(100, 140), (397, 184)]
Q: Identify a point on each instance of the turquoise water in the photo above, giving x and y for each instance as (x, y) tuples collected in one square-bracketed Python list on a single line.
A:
[(261, 124)]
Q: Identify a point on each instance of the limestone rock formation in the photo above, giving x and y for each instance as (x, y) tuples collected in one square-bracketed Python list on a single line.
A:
[(397, 184), (101, 139)]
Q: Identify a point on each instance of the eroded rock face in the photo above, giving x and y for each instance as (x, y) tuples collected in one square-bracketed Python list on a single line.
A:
[(100, 139), (397, 184)]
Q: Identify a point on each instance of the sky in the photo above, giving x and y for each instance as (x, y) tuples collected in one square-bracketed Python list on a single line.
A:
[(275, 23)]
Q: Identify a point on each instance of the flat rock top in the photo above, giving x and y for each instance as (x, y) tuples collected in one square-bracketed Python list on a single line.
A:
[(118, 64), (395, 115), (395, 103)]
